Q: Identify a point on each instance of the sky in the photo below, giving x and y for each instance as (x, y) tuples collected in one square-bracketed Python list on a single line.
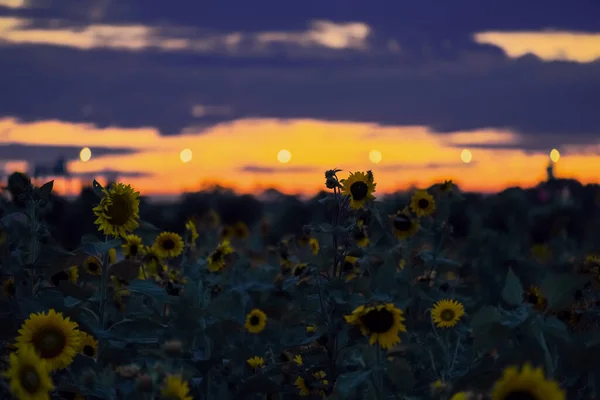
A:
[(399, 87)]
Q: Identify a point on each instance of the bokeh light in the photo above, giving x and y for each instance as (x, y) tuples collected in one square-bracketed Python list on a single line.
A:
[(554, 155), (185, 155), (85, 154), (375, 156), (284, 156), (466, 156)]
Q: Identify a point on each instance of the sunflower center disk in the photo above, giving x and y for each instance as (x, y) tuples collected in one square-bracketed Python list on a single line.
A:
[(119, 211), (447, 315), (402, 223), (49, 343), (168, 244), (520, 395), (359, 190), (378, 321), (93, 266), (30, 380), (133, 249), (60, 276), (88, 350), (423, 203), (254, 320)]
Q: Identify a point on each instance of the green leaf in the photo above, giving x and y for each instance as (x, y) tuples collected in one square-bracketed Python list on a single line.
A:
[(400, 374), (149, 288), (98, 247), (136, 330), (46, 189), (553, 327), (513, 289), (98, 189), (348, 383), (257, 384), (126, 269), (485, 317), (558, 289)]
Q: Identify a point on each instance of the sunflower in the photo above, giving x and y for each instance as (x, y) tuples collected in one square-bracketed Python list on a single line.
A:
[(256, 362), (299, 269), (446, 313), (29, 375), (92, 266), (216, 259), (71, 275), (350, 267), (133, 246), (240, 230), (422, 203), (525, 383), (175, 388), (446, 187), (168, 244), (533, 295), (256, 320), (381, 323), (54, 337), (360, 237), (314, 245), (9, 287), (118, 211), (152, 260), (359, 187), (226, 233), (305, 389), (404, 225), (460, 396), (303, 240), (401, 265), (298, 360), (190, 226), (88, 346)]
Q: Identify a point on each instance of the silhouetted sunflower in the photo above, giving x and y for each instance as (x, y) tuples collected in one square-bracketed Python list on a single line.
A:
[(226, 233), (446, 313), (300, 269), (175, 388), (359, 187), (446, 187), (422, 203), (54, 338), (29, 375), (217, 259), (168, 244), (404, 225), (92, 266), (360, 237), (256, 321), (88, 346), (240, 230), (133, 246), (69, 275), (382, 324), (118, 211), (533, 295), (525, 383), (9, 287), (350, 268)]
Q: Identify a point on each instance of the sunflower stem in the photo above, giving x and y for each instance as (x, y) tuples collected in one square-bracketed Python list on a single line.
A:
[(104, 286)]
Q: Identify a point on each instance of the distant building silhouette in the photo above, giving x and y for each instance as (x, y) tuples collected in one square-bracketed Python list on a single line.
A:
[(59, 169)]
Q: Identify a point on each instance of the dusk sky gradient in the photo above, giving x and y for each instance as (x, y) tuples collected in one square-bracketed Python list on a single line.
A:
[(235, 82)]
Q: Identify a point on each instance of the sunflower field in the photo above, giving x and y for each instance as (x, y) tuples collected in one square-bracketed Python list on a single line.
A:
[(435, 295)]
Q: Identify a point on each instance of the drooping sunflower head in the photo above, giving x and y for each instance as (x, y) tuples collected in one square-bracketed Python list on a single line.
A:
[(217, 260), (9, 287), (168, 244), (300, 269), (533, 295), (446, 313), (29, 375), (256, 321), (133, 246), (422, 203), (175, 388), (382, 323), (350, 267), (190, 226), (404, 225), (256, 362), (240, 230), (92, 266), (361, 238), (55, 338), (88, 346), (359, 187), (226, 232), (152, 260), (526, 383), (70, 274), (118, 211), (314, 245)]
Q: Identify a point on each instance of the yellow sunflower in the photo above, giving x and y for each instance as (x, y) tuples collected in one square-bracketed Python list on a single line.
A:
[(152, 260), (29, 375), (314, 245), (54, 338), (88, 346), (240, 230), (382, 323), (216, 260), (71, 275), (256, 320), (9, 287), (422, 203), (226, 233), (190, 226), (168, 244), (404, 225), (359, 187), (299, 269), (92, 266), (446, 187), (175, 388), (526, 383), (533, 295), (133, 246), (305, 389), (256, 362), (460, 396), (446, 313), (118, 211), (350, 268), (361, 238)]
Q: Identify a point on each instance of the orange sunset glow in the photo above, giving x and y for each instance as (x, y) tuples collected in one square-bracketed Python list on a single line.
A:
[(410, 156)]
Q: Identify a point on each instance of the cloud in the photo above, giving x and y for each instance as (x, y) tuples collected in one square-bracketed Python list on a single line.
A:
[(90, 175), (257, 169), (427, 166), (49, 154)]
